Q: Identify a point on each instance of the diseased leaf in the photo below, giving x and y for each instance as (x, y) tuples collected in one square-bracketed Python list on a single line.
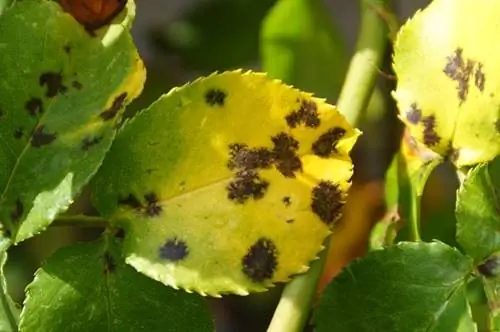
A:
[(448, 84), (478, 207), (9, 311), (88, 287), (228, 184), (409, 286), (62, 91)]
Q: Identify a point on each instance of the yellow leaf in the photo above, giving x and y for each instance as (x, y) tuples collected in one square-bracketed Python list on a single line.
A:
[(228, 184), (446, 60)]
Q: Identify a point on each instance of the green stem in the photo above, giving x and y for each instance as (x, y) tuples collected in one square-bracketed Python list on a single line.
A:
[(415, 219), (80, 220), (293, 309), (366, 62)]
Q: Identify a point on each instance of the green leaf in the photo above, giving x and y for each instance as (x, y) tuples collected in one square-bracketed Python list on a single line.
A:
[(310, 53), (191, 176), (230, 43), (62, 91), (9, 311), (478, 206), (88, 287), (409, 286), (439, 93)]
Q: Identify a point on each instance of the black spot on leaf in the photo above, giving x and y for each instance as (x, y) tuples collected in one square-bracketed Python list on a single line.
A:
[(34, 106), (131, 201), (247, 184), (307, 114), (120, 233), (117, 104), (246, 158), (109, 263), (67, 48), (460, 71), (414, 114), (287, 200), (153, 208), (490, 268), (285, 156), (88, 142), (40, 137), (327, 202), (290, 221), (261, 260), (431, 137), (174, 250), (215, 97), (53, 82), (326, 144), (479, 78), (77, 85), (18, 211), (18, 133)]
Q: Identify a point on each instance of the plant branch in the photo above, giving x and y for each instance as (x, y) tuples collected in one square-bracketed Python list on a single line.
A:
[(293, 309), (80, 220)]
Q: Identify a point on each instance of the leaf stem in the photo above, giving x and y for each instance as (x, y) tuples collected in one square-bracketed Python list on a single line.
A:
[(415, 219), (293, 309), (80, 220)]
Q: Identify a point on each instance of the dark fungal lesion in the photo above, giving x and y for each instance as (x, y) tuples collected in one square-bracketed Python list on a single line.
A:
[(215, 97), (285, 155), (131, 201), (41, 137), (174, 250), (115, 107), (246, 162), (34, 106), (246, 184), (430, 136), (153, 207), (17, 211), (461, 70), (89, 142), (261, 260), (150, 208), (53, 82), (327, 202), (497, 125), (241, 156), (120, 233), (287, 201), (479, 78), (307, 115), (18, 133), (414, 114), (326, 145), (77, 85)]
